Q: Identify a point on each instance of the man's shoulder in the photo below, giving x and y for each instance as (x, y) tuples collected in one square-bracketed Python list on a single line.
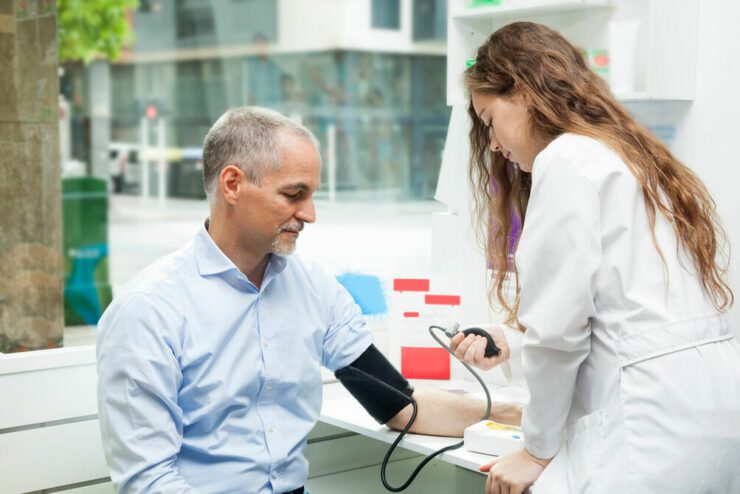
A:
[(306, 270), (151, 295), (315, 283), (164, 279)]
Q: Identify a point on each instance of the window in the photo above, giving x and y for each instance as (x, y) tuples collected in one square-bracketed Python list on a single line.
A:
[(430, 20), (194, 19), (386, 14)]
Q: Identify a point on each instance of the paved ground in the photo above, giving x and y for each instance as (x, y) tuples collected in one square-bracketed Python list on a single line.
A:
[(387, 239)]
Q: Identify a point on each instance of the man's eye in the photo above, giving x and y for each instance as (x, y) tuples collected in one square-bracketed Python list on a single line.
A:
[(292, 196)]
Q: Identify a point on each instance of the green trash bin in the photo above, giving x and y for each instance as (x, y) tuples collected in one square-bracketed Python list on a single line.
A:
[(87, 290), (483, 3)]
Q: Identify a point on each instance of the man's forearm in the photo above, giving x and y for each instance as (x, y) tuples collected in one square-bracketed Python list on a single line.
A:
[(442, 413)]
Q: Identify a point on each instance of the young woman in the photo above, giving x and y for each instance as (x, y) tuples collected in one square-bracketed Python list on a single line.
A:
[(633, 372)]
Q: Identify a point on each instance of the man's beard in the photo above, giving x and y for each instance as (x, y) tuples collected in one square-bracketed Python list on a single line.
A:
[(282, 246)]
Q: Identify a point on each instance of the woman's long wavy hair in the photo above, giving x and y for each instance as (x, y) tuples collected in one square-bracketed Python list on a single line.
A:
[(566, 96)]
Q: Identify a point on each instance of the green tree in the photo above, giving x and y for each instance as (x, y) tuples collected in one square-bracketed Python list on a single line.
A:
[(93, 28)]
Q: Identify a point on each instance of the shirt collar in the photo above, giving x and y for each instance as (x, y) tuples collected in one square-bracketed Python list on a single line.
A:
[(211, 259)]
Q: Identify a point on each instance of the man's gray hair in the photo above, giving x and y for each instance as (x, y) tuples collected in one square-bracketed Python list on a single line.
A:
[(248, 137)]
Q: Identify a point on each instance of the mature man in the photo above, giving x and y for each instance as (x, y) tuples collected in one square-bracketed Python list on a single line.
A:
[(209, 360)]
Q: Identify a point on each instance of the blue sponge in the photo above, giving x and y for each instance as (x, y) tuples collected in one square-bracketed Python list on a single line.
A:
[(367, 290)]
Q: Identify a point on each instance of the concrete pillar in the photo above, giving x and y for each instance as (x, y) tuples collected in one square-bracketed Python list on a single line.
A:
[(31, 309), (98, 86)]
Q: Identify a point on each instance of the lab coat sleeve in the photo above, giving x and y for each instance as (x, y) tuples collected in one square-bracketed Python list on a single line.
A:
[(557, 260), (141, 422)]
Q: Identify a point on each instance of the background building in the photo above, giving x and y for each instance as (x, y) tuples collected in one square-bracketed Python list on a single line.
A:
[(367, 77)]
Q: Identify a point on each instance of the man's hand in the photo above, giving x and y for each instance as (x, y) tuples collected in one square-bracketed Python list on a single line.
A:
[(471, 349), (513, 473)]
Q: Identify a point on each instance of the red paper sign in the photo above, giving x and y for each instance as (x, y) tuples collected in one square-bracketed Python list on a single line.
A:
[(410, 285), (442, 299), (425, 363)]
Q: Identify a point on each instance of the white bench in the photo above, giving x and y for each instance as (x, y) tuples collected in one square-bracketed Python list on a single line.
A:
[(49, 435)]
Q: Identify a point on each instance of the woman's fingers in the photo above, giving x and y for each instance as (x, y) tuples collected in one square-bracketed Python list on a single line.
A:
[(487, 466), (456, 340), (480, 353), (463, 347), (472, 350)]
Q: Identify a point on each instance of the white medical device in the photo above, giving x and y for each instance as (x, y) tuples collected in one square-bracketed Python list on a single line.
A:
[(491, 438)]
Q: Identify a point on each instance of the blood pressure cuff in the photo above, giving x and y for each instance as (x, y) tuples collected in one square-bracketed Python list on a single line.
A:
[(361, 380)]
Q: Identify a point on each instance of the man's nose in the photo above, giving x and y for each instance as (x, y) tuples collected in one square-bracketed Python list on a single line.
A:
[(307, 212)]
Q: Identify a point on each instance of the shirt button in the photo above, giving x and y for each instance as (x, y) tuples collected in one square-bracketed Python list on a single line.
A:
[(269, 387), (271, 428)]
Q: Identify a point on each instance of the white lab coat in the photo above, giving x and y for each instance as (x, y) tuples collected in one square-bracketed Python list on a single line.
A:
[(634, 376)]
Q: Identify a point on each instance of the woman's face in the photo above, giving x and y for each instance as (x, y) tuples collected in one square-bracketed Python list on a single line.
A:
[(509, 129)]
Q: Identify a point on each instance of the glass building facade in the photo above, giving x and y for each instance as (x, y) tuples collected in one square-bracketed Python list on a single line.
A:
[(380, 116)]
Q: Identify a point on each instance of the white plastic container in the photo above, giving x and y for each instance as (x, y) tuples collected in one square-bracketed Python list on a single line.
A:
[(491, 438)]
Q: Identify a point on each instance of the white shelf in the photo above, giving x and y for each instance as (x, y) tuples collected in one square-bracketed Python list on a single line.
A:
[(644, 97), (514, 8), (664, 64), (629, 97)]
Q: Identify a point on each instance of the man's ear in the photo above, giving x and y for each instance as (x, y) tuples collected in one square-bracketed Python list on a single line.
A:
[(230, 182)]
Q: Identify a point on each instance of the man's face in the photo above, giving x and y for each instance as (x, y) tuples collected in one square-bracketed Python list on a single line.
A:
[(271, 215)]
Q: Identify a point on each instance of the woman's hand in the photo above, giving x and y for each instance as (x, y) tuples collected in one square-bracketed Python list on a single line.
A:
[(471, 349), (513, 473)]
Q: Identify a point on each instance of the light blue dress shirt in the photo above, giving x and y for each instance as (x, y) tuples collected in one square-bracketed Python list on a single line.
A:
[(207, 384)]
